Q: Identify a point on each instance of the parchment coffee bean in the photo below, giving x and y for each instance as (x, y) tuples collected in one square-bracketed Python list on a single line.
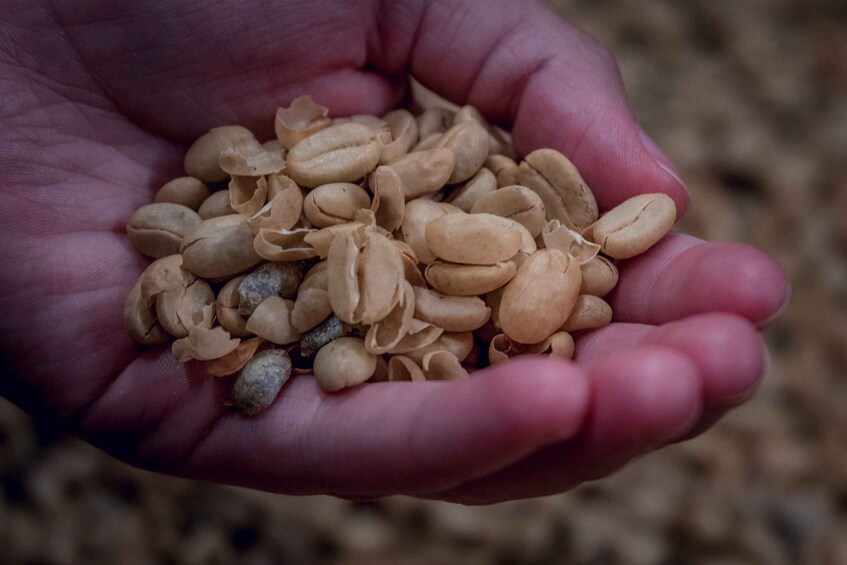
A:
[(599, 276), (340, 153), (556, 180), (589, 313), (334, 203), (517, 203), (469, 143), (430, 248), (219, 247), (140, 319), (540, 297), (472, 239), (635, 225), (216, 205), (201, 161), (188, 191), (343, 363), (156, 230)]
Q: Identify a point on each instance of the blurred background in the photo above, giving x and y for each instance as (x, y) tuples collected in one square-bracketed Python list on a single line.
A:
[(750, 99)]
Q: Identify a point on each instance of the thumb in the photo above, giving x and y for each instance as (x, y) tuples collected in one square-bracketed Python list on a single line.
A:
[(581, 109), (522, 65)]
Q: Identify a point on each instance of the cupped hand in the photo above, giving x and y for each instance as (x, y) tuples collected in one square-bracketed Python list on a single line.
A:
[(99, 100)]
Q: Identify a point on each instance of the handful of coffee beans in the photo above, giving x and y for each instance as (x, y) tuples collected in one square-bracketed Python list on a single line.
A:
[(396, 248)]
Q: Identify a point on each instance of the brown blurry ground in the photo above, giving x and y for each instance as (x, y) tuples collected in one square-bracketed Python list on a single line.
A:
[(750, 99)]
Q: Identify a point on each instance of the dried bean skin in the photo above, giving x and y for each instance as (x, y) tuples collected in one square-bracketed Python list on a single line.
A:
[(204, 342), (401, 368), (140, 319), (180, 309), (271, 320), (458, 344), (226, 309), (299, 120), (404, 134), (386, 334), (247, 195), (442, 366), (251, 159), (389, 201)]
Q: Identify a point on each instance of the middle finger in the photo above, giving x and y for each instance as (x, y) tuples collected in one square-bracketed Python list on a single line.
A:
[(682, 276)]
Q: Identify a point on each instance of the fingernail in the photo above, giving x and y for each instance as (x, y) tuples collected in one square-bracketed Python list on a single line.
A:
[(683, 428), (740, 397), (779, 311), (660, 158)]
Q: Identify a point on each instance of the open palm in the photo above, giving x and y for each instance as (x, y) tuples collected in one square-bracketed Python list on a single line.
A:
[(98, 101)]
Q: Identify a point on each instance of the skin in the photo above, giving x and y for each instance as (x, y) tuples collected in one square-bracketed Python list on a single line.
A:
[(100, 100)]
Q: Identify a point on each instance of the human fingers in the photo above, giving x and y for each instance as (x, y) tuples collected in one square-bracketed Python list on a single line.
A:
[(682, 276), (374, 440), (726, 348), (641, 398), (520, 64)]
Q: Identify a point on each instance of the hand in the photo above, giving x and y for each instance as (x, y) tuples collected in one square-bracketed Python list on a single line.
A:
[(99, 100)]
